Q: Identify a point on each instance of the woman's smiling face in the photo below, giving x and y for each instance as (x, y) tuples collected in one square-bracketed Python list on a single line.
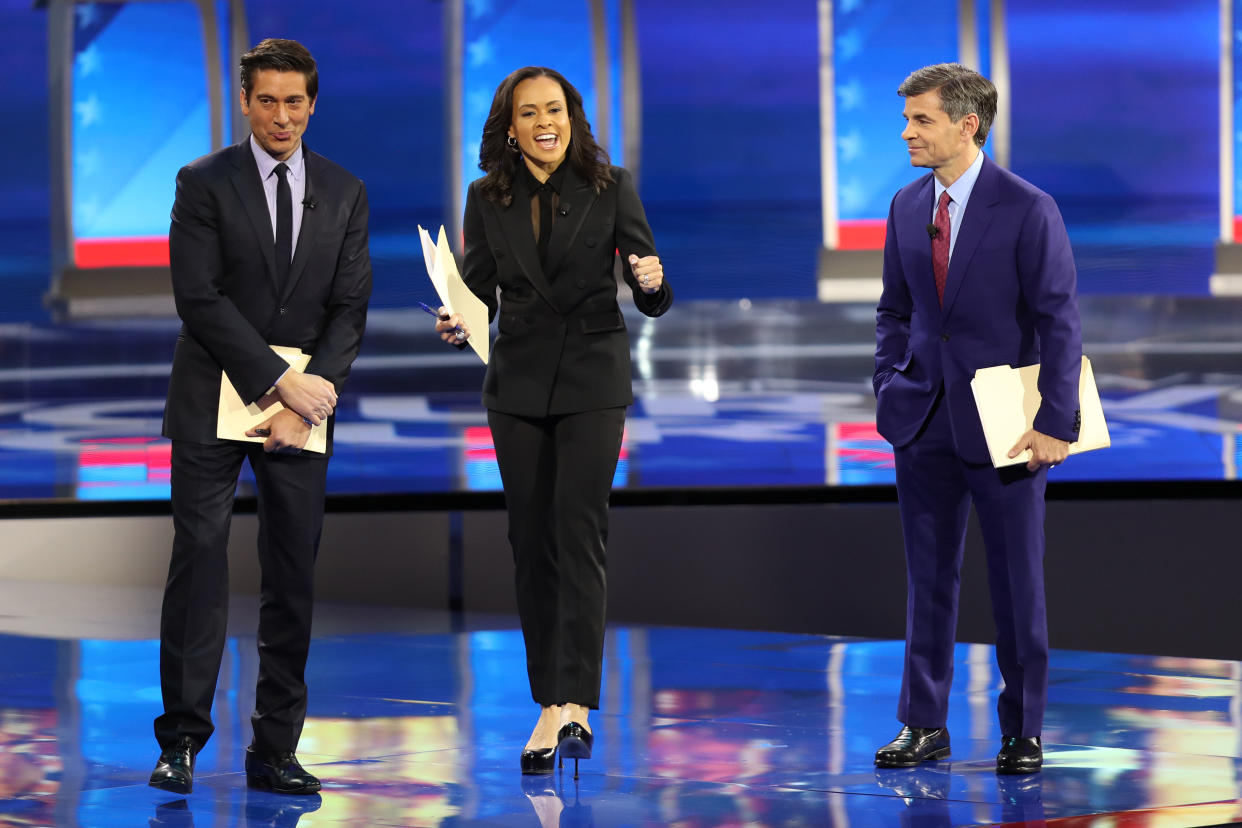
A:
[(541, 124)]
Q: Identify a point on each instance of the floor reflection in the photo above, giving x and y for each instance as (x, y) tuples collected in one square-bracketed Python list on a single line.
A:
[(421, 722)]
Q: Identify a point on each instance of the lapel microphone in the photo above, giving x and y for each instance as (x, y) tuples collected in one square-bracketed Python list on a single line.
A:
[(932, 231), (564, 209), (309, 202)]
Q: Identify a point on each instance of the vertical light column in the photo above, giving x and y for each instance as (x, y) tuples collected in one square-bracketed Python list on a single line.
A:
[(1001, 133), (827, 127), (1226, 279), (1227, 183), (454, 182)]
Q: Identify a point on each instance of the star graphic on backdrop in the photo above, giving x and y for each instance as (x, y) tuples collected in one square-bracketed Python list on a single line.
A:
[(88, 60), (478, 103), (87, 162), (479, 52), (86, 14), (88, 110), (849, 44), (851, 196), (850, 146), (86, 212), (850, 94)]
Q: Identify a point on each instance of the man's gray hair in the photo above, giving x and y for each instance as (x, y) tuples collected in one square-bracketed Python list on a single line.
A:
[(962, 91)]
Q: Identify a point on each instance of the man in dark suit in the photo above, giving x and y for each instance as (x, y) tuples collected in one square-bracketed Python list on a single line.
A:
[(268, 247), (994, 284)]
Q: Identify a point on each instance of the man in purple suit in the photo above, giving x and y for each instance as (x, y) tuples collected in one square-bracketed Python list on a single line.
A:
[(977, 272)]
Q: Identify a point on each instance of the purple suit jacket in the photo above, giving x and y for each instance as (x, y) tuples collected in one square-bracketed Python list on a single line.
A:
[(1010, 299)]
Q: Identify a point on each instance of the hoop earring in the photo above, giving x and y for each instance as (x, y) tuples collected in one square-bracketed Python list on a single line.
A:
[(512, 142)]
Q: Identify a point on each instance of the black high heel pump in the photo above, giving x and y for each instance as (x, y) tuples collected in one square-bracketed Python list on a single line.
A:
[(538, 761), (575, 742)]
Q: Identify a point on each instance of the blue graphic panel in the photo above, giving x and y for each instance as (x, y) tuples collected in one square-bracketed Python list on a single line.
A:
[(875, 46), (498, 40), (140, 112)]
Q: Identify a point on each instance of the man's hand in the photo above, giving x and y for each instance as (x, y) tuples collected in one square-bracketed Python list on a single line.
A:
[(286, 433), (1045, 450), (308, 395)]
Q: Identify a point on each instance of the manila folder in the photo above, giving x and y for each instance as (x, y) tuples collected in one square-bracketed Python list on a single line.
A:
[(1008, 399), (236, 418)]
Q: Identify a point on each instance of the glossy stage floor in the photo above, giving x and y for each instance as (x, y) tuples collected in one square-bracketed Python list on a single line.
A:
[(417, 719)]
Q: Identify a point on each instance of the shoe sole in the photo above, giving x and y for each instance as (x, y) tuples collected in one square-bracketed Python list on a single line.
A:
[(934, 756), (260, 783), (173, 787), (1012, 771)]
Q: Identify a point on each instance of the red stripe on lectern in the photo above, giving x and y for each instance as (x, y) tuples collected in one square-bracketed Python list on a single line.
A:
[(144, 251), (861, 234), (1237, 229)]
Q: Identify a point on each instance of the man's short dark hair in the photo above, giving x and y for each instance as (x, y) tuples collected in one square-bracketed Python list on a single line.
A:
[(962, 91), (283, 56)]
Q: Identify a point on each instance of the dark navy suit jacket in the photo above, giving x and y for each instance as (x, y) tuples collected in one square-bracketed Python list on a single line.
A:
[(1010, 299), (223, 278)]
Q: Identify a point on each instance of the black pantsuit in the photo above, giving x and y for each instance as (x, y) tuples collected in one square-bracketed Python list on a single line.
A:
[(556, 389), (557, 473)]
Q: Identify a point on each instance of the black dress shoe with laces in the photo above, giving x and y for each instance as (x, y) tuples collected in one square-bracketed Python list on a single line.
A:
[(175, 769), (1020, 755), (278, 772), (914, 745)]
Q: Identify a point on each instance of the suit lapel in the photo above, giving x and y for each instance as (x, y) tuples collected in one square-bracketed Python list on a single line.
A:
[(250, 191), (916, 214), (312, 169), (576, 200), (515, 221), (974, 223)]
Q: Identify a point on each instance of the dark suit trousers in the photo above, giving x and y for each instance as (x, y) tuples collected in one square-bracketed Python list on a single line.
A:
[(557, 473), (935, 489), (193, 623)]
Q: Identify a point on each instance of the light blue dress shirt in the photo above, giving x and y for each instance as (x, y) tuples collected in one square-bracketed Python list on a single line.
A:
[(959, 192)]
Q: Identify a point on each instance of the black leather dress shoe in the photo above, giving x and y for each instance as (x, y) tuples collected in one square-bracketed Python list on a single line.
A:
[(914, 745), (538, 761), (175, 769), (1020, 755), (278, 772), (575, 742)]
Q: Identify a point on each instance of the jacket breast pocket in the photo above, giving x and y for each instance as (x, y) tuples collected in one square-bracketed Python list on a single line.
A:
[(602, 322)]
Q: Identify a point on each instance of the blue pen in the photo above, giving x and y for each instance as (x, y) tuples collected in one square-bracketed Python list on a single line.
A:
[(460, 333)]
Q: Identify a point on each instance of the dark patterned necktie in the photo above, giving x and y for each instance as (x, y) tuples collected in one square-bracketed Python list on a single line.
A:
[(284, 226), (940, 245)]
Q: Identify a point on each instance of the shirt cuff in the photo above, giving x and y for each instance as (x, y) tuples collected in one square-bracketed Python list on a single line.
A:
[(274, 384)]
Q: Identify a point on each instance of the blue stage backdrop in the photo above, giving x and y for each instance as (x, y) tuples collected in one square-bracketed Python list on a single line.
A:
[(1114, 113)]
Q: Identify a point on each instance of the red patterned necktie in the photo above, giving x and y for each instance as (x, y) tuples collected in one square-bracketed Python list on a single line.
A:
[(940, 245)]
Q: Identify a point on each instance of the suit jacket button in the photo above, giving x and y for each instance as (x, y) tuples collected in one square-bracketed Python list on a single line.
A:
[(944, 337)]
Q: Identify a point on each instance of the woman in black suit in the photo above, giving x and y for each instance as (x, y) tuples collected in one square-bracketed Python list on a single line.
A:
[(544, 226)]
